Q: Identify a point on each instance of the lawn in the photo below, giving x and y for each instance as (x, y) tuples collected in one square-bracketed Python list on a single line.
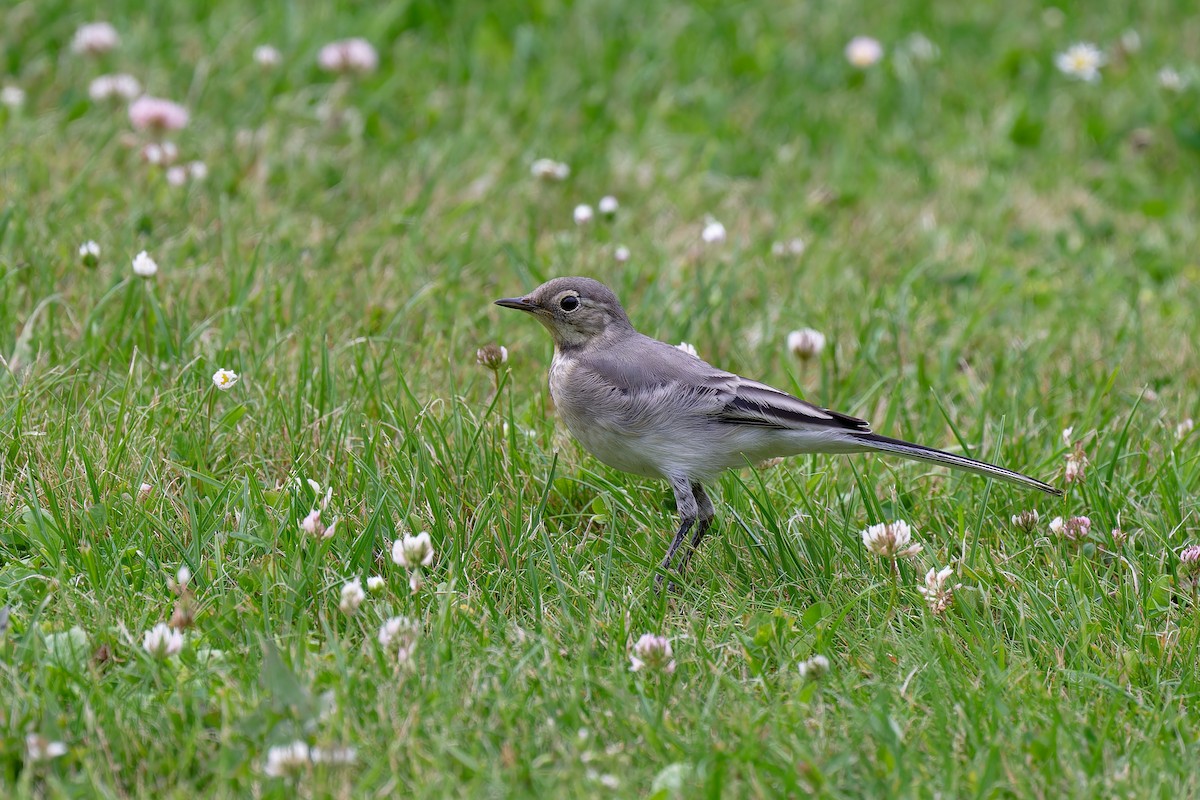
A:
[(1000, 250)]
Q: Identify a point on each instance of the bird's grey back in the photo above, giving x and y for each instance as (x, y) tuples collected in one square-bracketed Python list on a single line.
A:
[(641, 365)]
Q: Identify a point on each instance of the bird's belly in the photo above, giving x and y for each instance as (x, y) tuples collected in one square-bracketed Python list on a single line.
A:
[(640, 454), (700, 452)]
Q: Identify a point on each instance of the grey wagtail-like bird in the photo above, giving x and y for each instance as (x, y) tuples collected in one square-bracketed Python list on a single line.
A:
[(647, 407)]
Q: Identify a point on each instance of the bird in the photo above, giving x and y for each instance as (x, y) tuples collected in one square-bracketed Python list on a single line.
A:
[(649, 408)]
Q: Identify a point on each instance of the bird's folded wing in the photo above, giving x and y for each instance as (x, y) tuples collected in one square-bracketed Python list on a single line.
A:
[(649, 381), (756, 403)]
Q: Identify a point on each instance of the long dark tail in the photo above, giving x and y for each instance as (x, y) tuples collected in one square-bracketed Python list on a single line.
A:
[(885, 444)]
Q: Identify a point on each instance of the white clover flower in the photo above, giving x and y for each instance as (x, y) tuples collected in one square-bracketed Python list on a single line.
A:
[(391, 628), (1026, 520), (352, 597), (1171, 80), (687, 348), (39, 748), (583, 214), (12, 96), (416, 579), (313, 525), (1066, 435), (177, 176), (197, 170), (156, 114), (375, 583), (183, 576), (399, 635), (1189, 557), (608, 205), (652, 653), (162, 641), (1082, 61), (267, 56), (126, 87), (160, 154), (605, 779), (120, 86), (814, 668), (713, 233), (144, 266), (863, 51), (287, 759), (413, 551), (1184, 428), (144, 491), (547, 169), (89, 253), (361, 56), (890, 540), (939, 594), (348, 56), (805, 343), (491, 356), (1131, 41), (1072, 529), (621, 254), (95, 38), (791, 248), (1076, 466), (224, 379)]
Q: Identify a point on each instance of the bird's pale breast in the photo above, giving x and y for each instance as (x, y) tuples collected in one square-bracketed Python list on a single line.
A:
[(598, 417)]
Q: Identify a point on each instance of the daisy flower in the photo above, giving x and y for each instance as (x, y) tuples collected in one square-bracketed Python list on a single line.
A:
[(224, 379), (1082, 61)]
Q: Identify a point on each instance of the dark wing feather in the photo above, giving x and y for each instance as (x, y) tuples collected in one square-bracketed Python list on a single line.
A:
[(755, 403)]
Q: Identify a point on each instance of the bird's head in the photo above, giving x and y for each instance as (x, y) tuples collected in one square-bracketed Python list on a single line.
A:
[(576, 311)]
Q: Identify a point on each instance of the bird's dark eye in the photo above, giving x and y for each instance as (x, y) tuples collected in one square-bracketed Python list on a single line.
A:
[(569, 303)]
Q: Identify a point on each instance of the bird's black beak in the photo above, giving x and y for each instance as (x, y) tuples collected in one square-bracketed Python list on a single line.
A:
[(519, 303)]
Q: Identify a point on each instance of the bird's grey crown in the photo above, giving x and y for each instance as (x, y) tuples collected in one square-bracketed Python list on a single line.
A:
[(587, 288)]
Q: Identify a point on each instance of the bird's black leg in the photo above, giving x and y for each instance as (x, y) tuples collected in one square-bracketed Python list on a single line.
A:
[(705, 514), (685, 501)]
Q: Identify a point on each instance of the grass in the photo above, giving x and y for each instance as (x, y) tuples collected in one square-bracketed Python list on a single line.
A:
[(996, 253)]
